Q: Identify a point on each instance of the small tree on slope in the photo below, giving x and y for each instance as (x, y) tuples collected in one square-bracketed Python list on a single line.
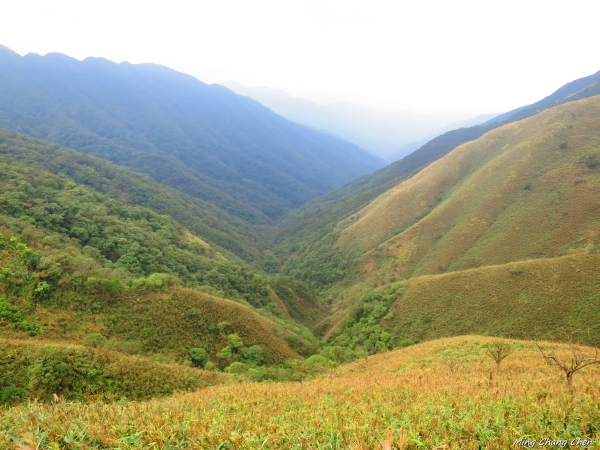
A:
[(569, 364), (498, 351)]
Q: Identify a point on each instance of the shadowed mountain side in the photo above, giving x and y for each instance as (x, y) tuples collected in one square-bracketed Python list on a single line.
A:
[(208, 222), (299, 302), (203, 140)]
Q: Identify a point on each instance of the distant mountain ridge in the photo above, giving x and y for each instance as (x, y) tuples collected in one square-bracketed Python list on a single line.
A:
[(575, 90), (389, 135), (203, 140)]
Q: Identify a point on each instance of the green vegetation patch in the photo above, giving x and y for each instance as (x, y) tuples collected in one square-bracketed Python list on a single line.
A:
[(363, 332), (71, 372)]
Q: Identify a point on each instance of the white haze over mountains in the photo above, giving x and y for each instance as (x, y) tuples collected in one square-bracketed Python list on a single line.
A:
[(470, 56), (389, 135), (430, 55)]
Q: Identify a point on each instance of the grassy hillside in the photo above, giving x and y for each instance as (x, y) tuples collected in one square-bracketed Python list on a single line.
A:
[(438, 394), (167, 325), (524, 299), (114, 287), (527, 190), (202, 140), (38, 370), (307, 234), (533, 299)]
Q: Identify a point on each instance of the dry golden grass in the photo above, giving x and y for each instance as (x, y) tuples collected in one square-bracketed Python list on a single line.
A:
[(405, 204), (527, 299), (403, 399), (513, 194)]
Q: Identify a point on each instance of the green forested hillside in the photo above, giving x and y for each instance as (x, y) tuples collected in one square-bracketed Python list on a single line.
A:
[(202, 218), (202, 140), (78, 264)]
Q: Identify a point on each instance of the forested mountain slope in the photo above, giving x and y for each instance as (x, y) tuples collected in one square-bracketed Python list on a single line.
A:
[(202, 218), (93, 253), (317, 220), (202, 140)]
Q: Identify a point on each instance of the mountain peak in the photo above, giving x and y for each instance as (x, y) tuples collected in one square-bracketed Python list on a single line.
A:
[(7, 52)]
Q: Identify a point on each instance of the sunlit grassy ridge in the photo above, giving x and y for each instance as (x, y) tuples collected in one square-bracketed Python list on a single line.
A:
[(526, 299), (407, 398), (526, 190), (308, 235)]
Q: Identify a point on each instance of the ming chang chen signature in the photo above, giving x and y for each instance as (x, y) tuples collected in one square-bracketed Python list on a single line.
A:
[(548, 442)]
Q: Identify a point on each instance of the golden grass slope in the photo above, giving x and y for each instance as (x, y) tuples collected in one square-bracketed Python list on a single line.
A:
[(530, 189), (405, 399), (534, 299)]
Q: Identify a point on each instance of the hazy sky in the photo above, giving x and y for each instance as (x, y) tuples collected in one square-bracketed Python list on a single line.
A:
[(468, 56)]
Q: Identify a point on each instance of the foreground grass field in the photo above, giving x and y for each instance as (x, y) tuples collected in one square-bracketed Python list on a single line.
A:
[(439, 394)]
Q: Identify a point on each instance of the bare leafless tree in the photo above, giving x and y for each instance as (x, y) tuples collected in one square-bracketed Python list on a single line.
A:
[(453, 364), (498, 351), (571, 363)]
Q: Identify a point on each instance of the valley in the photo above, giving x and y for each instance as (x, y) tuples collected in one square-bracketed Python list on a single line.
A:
[(180, 267)]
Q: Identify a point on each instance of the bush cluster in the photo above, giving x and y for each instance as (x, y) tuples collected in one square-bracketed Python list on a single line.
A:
[(38, 371)]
